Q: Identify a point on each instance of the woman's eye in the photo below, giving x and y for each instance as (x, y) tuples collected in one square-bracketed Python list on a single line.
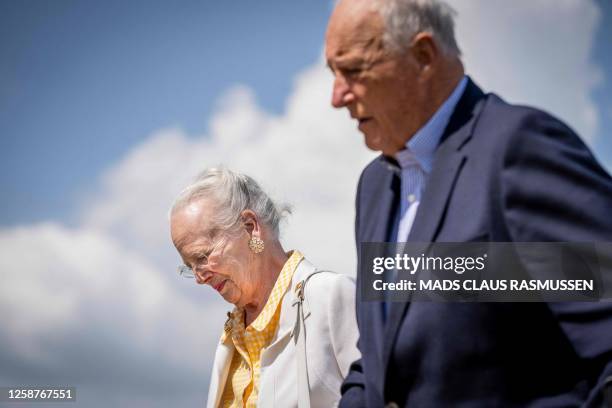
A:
[(201, 258)]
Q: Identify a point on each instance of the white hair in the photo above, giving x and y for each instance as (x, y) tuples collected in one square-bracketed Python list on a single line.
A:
[(403, 19), (231, 193)]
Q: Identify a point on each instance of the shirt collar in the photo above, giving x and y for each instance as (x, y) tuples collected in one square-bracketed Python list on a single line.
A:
[(280, 287), (420, 148)]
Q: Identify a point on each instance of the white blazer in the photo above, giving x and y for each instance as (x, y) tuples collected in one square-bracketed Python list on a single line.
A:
[(331, 344)]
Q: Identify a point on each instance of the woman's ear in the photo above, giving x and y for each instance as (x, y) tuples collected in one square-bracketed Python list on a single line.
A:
[(251, 223)]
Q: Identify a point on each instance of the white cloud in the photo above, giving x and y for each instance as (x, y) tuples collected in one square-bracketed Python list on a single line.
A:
[(310, 157), (84, 310), (106, 287), (112, 274), (535, 53)]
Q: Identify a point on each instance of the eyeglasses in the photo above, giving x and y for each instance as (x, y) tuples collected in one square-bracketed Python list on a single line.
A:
[(187, 272), (202, 260)]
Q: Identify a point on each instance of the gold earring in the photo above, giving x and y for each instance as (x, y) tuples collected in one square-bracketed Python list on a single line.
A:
[(256, 244)]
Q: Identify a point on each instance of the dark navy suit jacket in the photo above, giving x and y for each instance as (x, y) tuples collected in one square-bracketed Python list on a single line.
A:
[(501, 173)]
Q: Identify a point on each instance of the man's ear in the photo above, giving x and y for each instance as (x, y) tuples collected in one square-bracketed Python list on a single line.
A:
[(250, 223), (424, 50)]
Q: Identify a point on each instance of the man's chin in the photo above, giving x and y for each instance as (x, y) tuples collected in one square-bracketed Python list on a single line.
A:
[(380, 145), (373, 142)]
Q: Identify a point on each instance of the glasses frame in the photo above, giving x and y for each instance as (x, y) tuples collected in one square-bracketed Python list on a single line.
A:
[(187, 271)]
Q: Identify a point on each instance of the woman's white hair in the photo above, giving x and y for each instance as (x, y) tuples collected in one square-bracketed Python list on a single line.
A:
[(231, 193), (405, 18)]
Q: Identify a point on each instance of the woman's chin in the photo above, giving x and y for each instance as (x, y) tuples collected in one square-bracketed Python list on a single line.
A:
[(230, 295)]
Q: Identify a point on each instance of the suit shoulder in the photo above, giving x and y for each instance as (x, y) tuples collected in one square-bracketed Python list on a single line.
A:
[(515, 121), (512, 131)]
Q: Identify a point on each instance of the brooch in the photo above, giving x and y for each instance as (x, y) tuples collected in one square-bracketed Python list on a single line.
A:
[(228, 323)]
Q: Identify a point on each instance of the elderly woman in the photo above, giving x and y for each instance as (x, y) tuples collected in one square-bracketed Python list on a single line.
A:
[(292, 334)]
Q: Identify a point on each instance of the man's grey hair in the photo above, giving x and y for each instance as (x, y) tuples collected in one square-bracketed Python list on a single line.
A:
[(405, 18), (231, 193)]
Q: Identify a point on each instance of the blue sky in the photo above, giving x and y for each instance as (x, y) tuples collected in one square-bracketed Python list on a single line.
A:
[(108, 109), (81, 82), (602, 53)]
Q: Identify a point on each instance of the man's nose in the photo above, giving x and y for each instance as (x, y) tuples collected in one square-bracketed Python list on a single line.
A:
[(341, 93)]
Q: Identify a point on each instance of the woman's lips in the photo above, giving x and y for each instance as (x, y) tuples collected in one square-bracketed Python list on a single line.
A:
[(220, 285)]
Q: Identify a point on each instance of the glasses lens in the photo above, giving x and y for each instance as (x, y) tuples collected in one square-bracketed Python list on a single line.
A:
[(185, 271)]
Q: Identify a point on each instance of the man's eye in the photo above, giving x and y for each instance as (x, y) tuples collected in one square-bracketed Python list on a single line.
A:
[(351, 71)]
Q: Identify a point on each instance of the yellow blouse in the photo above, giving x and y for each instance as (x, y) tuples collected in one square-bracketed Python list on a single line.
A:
[(242, 385)]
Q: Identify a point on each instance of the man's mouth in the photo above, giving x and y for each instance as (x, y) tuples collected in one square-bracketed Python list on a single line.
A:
[(363, 121)]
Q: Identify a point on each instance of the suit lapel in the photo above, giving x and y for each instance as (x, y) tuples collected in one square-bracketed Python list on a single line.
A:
[(447, 165), (379, 228), (440, 185), (448, 162), (429, 219)]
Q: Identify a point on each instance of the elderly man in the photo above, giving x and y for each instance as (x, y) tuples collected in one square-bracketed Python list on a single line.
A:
[(460, 165)]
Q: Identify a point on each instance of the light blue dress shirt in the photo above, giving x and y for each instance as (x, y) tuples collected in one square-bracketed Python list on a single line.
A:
[(417, 158)]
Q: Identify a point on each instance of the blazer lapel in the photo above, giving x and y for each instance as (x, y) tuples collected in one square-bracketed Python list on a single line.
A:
[(379, 224), (223, 360), (448, 162), (379, 228), (436, 196), (288, 314)]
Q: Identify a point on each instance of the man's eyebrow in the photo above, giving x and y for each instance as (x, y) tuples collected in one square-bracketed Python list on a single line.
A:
[(350, 60)]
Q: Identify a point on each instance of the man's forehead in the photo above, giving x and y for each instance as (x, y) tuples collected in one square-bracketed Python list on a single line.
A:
[(353, 33), (352, 9)]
